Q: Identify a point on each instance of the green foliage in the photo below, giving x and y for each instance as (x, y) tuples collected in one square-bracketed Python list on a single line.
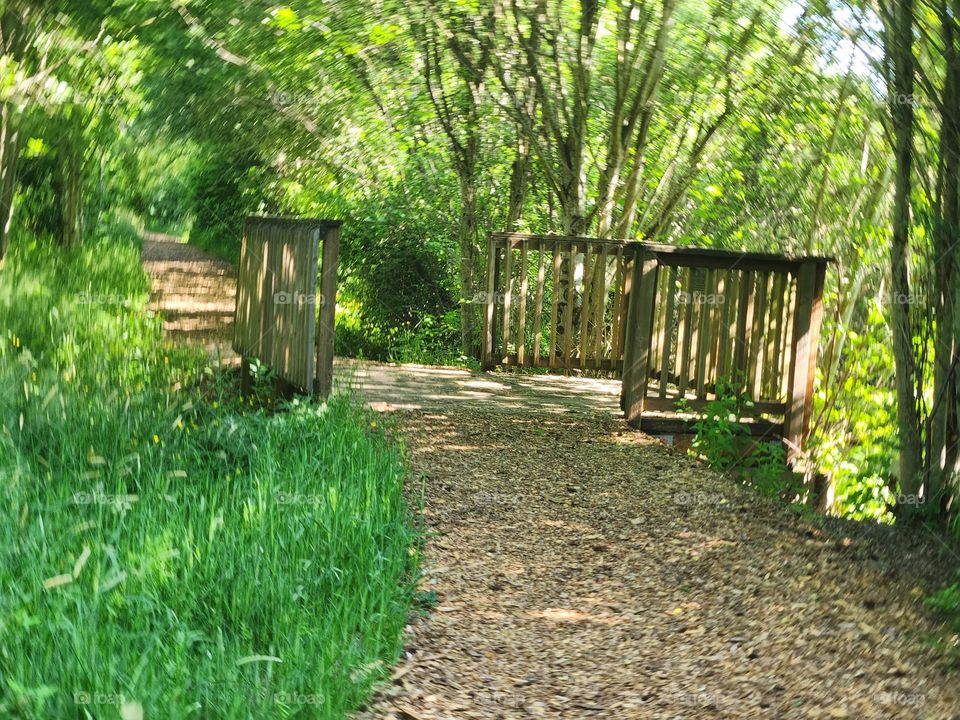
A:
[(159, 182), (947, 603), (727, 445), (164, 544), (854, 438), (228, 186)]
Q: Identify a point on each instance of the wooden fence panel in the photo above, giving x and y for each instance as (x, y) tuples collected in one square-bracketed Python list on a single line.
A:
[(277, 299), (557, 303)]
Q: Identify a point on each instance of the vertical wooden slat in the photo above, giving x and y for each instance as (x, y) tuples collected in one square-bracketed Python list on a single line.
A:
[(656, 332), (586, 284), (806, 341), (568, 310), (776, 331), (629, 259), (522, 306), (714, 322), (726, 294), (741, 361), (756, 335), (538, 303), (616, 311), (489, 304), (788, 348), (686, 331), (669, 281), (703, 335), (328, 309), (554, 302), (507, 301), (600, 307), (310, 364)]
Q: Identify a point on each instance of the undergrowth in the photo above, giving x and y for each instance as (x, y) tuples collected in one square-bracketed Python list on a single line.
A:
[(166, 548)]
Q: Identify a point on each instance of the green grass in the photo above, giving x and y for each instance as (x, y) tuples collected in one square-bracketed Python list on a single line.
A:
[(164, 546)]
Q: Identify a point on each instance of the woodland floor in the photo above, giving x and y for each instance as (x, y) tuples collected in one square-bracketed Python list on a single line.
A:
[(575, 568)]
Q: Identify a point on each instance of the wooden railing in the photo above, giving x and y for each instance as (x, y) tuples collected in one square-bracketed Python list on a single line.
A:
[(278, 302), (676, 323), (556, 302)]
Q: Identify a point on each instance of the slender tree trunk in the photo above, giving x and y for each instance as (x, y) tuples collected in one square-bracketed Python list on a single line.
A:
[(71, 198), (519, 175), (945, 421), (467, 237), (8, 171), (900, 52)]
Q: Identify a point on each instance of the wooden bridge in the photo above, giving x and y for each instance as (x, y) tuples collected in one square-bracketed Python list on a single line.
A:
[(675, 323)]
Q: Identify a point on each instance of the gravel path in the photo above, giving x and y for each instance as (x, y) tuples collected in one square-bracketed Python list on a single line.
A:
[(575, 568), (583, 570)]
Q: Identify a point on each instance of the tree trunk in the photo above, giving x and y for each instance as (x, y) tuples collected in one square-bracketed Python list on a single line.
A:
[(8, 172), (466, 237), (945, 417), (899, 50), (70, 198), (519, 174)]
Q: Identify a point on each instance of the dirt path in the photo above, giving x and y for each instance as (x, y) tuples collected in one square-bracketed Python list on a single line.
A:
[(583, 570), (578, 569), (193, 290)]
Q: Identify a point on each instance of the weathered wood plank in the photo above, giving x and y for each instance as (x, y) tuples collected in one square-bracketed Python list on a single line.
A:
[(686, 332), (538, 305), (490, 305), (507, 301), (584, 336), (522, 303), (554, 303), (670, 281), (806, 341), (639, 323), (326, 332)]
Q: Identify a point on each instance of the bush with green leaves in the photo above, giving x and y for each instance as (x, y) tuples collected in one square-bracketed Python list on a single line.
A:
[(726, 444), (228, 185)]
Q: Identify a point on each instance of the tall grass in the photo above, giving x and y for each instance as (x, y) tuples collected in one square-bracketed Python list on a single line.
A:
[(164, 548)]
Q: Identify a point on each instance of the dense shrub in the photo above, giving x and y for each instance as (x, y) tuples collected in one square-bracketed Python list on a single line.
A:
[(226, 188)]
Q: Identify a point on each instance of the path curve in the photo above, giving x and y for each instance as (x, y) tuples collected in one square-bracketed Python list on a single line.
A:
[(575, 568)]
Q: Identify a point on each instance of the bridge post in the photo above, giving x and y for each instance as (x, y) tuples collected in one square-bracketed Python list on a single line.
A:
[(636, 360), (803, 362)]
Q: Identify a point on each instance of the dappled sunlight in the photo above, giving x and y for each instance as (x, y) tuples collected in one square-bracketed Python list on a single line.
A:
[(570, 615), (412, 387)]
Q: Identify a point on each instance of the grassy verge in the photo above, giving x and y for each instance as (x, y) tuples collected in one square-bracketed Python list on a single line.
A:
[(165, 550)]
